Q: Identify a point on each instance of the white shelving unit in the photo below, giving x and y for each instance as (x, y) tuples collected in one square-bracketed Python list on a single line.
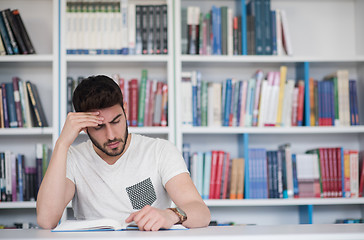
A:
[(40, 19), (325, 34)]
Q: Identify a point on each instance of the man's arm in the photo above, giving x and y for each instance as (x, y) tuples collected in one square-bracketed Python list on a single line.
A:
[(184, 194), (56, 191)]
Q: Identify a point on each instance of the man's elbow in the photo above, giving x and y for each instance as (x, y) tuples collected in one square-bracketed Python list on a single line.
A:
[(45, 221)]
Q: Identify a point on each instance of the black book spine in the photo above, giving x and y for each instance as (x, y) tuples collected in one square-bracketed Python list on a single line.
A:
[(23, 32), (10, 33), (164, 29), (157, 26), (16, 31), (144, 27), (150, 31), (36, 105)]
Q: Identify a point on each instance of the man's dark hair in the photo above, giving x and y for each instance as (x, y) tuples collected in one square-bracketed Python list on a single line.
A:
[(96, 92)]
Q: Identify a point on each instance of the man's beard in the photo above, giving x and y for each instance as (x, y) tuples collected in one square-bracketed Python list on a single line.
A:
[(103, 148)]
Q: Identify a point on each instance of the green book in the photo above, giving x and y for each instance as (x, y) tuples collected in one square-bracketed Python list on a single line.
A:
[(142, 92)]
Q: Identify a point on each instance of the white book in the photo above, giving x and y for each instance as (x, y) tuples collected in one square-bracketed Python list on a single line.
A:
[(102, 224), (270, 102), (124, 26), (214, 104), (286, 34), (263, 104), (344, 97), (27, 106), (243, 94), (92, 30), (230, 37), (86, 36), (186, 98), (280, 50), (354, 173), (131, 28), (287, 104), (9, 157)]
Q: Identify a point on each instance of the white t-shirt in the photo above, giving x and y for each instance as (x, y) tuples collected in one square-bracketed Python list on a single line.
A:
[(135, 180)]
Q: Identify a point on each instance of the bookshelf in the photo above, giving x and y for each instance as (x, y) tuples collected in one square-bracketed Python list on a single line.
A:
[(314, 27), (322, 56), (40, 18)]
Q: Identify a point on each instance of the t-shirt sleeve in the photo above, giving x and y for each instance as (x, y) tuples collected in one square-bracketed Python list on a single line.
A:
[(171, 162), (70, 165)]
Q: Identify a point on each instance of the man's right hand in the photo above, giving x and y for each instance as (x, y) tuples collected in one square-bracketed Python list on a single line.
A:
[(77, 122)]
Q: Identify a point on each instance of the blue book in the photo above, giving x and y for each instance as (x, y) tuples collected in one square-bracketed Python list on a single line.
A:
[(240, 92), (227, 106), (216, 30), (250, 97), (200, 172), (5, 37), (11, 105), (186, 149), (206, 175), (267, 27), (332, 102), (20, 171), (275, 174), (244, 37), (274, 32), (198, 96), (263, 159), (294, 171), (355, 101), (194, 99)]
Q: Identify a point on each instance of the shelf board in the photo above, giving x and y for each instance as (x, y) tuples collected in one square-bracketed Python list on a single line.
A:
[(267, 59), (27, 58), (117, 58), (26, 131), (272, 130), (21, 205), (283, 202)]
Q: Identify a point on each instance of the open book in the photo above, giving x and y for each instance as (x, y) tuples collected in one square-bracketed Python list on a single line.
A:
[(103, 224)]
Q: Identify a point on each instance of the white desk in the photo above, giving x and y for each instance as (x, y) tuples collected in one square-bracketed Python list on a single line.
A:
[(281, 232)]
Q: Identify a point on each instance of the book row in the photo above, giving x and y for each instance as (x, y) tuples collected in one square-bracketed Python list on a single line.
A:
[(218, 32), (116, 27), (321, 173), (20, 105), (146, 99), (20, 181), (14, 36), (271, 100)]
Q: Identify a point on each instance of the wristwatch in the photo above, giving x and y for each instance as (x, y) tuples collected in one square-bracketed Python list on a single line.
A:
[(180, 213)]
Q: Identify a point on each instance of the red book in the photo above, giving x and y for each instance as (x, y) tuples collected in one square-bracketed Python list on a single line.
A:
[(323, 172), (301, 92), (133, 101), (334, 169), (18, 110), (220, 161), (339, 172), (214, 155), (226, 175), (330, 163)]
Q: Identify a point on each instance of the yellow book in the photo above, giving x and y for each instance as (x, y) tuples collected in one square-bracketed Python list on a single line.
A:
[(283, 76)]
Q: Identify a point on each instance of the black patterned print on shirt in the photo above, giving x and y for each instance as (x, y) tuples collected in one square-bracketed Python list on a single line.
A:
[(141, 194)]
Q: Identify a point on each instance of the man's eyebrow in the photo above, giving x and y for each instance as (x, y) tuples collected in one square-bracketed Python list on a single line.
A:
[(114, 119)]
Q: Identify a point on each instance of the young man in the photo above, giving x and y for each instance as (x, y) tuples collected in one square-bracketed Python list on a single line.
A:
[(115, 174)]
